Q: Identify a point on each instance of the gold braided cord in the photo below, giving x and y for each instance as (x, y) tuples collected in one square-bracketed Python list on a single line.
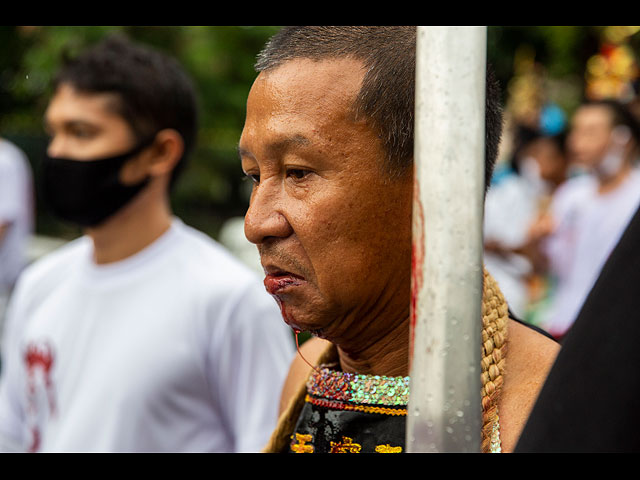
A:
[(494, 345), (495, 318)]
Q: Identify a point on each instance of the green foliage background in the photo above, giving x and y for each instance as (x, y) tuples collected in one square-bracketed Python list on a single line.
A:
[(220, 59)]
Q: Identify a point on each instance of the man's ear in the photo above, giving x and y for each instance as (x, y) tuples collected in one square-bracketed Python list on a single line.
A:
[(167, 151), (158, 160)]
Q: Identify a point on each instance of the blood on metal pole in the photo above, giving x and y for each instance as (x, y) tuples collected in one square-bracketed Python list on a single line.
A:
[(444, 412)]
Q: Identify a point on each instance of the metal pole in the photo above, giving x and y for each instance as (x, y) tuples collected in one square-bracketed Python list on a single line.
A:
[(444, 409)]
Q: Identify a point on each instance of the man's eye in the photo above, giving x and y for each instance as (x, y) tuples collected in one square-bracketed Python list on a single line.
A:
[(255, 178), (82, 133), (298, 173)]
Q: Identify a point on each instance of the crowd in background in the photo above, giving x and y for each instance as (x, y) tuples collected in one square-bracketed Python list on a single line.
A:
[(565, 189)]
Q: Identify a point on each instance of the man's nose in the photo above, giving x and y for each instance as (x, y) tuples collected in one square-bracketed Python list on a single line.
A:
[(56, 147), (266, 217)]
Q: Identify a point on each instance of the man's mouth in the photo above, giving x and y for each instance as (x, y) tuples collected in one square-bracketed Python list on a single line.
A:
[(278, 281)]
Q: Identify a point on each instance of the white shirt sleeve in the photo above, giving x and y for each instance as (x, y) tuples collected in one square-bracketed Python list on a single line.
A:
[(252, 362), (11, 190), (11, 410)]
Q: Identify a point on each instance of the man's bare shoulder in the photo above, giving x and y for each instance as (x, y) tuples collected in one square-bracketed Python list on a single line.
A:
[(299, 371), (530, 356)]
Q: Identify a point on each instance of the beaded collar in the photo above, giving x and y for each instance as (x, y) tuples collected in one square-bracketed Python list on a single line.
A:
[(357, 388), (350, 391)]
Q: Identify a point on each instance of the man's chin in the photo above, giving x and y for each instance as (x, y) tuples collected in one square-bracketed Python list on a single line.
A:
[(300, 319)]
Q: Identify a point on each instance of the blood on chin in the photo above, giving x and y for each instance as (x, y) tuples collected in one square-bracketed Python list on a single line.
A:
[(290, 319)]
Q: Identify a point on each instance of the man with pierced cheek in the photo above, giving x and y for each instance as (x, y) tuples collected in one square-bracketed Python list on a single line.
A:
[(328, 143)]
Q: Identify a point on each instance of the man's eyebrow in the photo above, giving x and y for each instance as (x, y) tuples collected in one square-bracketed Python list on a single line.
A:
[(47, 125), (280, 144), (298, 139)]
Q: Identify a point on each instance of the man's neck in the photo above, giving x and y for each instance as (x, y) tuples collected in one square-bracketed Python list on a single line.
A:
[(609, 184), (387, 355), (135, 227)]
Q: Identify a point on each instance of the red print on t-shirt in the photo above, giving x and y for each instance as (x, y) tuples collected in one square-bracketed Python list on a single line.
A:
[(39, 357)]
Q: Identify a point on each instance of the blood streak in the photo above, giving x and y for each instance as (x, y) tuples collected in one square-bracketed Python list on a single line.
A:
[(275, 284), (417, 259)]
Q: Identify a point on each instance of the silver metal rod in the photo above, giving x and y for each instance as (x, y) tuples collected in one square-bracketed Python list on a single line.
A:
[(444, 409)]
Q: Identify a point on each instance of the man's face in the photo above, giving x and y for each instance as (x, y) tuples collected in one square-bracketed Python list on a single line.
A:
[(333, 230), (549, 158), (590, 135), (85, 126)]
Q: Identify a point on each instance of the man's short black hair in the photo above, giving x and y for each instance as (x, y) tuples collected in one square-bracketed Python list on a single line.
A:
[(388, 90), (153, 90)]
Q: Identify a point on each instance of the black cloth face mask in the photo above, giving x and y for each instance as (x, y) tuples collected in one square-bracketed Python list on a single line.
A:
[(87, 193)]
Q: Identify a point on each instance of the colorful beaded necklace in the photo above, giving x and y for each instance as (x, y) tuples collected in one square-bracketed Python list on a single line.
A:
[(367, 393), (353, 391)]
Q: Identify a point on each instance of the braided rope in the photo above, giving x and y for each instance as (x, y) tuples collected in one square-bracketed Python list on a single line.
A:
[(495, 316), (494, 335)]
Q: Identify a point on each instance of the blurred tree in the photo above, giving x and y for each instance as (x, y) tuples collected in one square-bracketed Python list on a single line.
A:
[(562, 50), (220, 61)]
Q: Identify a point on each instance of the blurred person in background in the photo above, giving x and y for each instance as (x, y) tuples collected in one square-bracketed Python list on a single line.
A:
[(518, 195), (16, 217), (144, 334), (589, 212), (597, 365)]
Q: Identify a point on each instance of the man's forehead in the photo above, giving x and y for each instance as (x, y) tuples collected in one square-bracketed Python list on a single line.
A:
[(318, 79), (592, 115), (67, 100), (299, 102)]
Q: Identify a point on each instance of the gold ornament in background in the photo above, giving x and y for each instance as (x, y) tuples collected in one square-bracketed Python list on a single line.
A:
[(618, 34), (611, 72), (526, 88)]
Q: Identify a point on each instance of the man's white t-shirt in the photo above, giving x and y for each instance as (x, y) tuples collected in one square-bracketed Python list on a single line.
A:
[(16, 211), (177, 348), (588, 227)]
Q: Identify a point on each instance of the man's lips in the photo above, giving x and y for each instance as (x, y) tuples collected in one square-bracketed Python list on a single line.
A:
[(278, 281)]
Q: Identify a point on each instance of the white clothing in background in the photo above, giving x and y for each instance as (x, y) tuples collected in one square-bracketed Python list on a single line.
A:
[(175, 349), (588, 227), (16, 211), (511, 206)]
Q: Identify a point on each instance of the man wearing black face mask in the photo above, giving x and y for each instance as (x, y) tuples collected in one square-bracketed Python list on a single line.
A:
[(143, 335)]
